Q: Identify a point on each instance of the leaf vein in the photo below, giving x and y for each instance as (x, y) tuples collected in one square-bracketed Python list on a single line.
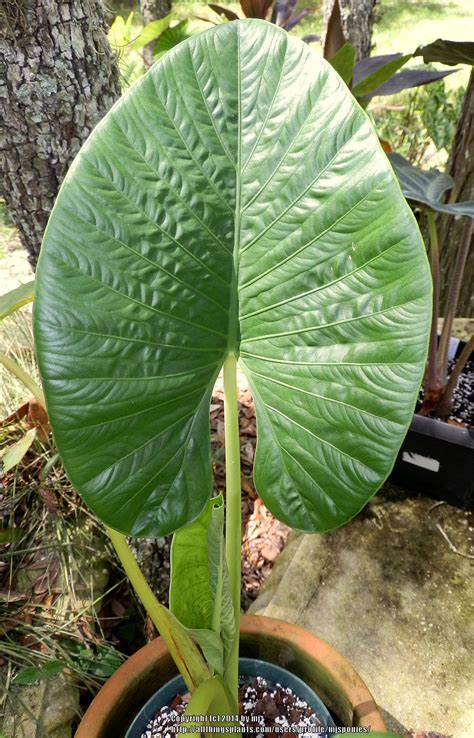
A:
[(309, 243), (109, 287), (147, 260), (129, 339), (134, 451), (297, 199), (311, 329), (185, 144), (320, 288), (138, 413), (323, 397), (270, 107), (173, 189), (156, 225), (318, 438), (211, 117)]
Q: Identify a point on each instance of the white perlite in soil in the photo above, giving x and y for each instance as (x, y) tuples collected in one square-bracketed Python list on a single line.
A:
[(266, 711)]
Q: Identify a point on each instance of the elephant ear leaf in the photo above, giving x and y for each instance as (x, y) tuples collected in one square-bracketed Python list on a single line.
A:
[(426, 187), (447, 52), (236, 199)]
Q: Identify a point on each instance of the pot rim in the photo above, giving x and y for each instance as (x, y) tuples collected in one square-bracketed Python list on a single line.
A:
[(442, 431), (328, 673)]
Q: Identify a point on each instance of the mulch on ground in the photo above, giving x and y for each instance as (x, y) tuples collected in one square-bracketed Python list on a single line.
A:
[(263, 535)]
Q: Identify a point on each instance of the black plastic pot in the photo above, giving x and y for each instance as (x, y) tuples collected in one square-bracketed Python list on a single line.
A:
[(437, 458)]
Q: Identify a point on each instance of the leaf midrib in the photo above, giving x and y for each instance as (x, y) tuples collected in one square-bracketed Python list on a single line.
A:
[(233, 339)]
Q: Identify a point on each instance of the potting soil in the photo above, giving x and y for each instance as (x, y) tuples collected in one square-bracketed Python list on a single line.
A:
[(462, 410), (266, 711)]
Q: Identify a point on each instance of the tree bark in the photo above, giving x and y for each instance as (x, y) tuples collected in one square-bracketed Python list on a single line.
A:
[(461, 169), (58, 77), (153, 10), (357, 20)]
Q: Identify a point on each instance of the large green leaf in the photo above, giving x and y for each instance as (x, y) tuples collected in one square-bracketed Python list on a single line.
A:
[(236, 199)]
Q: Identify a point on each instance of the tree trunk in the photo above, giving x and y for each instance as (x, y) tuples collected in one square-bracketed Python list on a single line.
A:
[(153, 10), (461, 169), (356, 19), (58, 77)]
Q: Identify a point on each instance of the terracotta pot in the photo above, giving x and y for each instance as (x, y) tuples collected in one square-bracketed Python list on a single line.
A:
[(322, 668)]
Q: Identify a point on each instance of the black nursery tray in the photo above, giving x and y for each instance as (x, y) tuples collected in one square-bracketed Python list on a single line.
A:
[(437, 460)]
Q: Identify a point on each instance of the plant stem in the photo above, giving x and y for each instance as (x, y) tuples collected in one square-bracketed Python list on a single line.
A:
[(233, 508), (24, 378), (183, 650), (432, 380), (453, 299), (444, 406)]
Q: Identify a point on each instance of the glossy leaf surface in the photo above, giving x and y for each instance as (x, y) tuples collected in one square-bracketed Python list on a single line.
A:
[(235, 199), (427, 187)]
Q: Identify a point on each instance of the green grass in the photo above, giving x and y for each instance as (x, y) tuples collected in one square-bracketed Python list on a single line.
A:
[(402, 26)]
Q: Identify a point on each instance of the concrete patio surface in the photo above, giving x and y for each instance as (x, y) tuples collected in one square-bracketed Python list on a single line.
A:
[(393, 592)]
